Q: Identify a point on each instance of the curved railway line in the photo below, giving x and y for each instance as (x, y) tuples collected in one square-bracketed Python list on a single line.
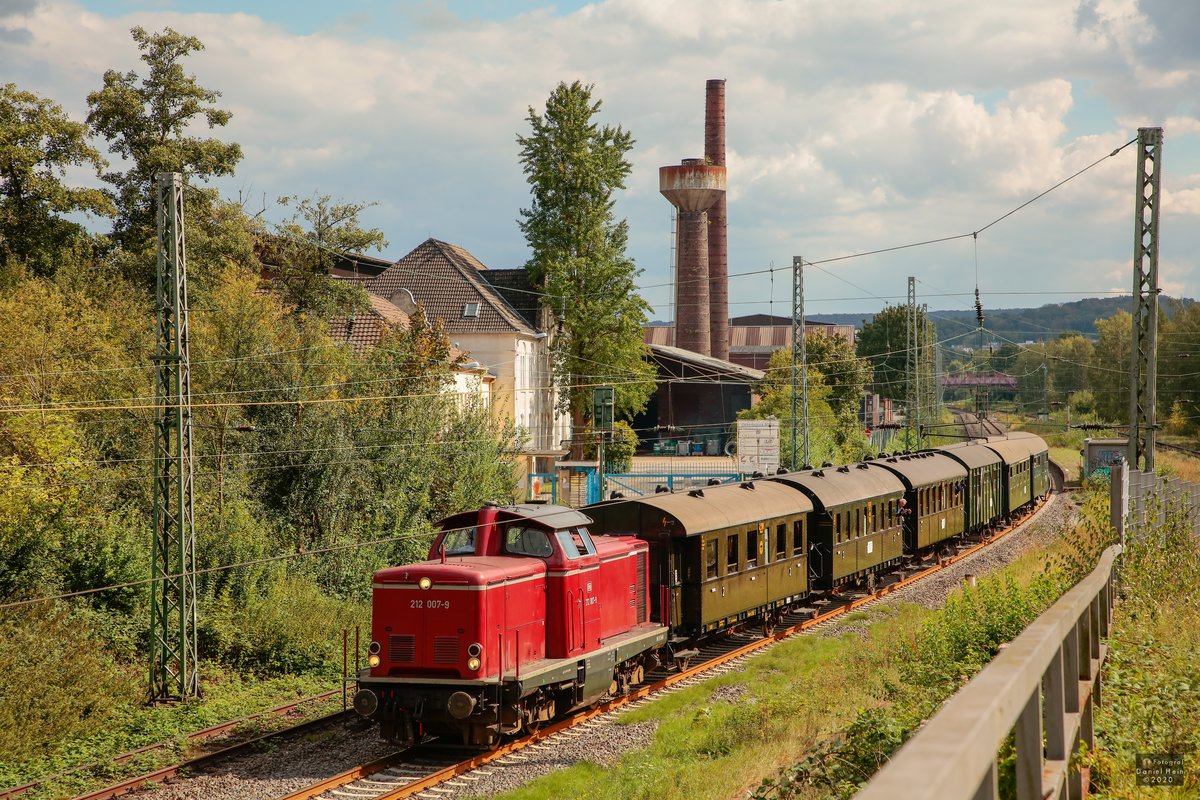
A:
[(432, 771)]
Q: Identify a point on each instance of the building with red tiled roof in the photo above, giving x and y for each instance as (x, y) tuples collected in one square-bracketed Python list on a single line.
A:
[(450, 283), (367, 328)]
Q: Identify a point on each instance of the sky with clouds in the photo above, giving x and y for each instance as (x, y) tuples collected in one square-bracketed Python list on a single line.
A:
[(852, 126)]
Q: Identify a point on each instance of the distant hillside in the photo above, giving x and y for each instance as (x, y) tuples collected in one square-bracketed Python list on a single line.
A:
[(1022, 324)]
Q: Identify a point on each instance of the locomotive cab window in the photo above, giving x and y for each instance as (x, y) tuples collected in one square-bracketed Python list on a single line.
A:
[(575, 543), (731, 555), (710, 558), (459, 542), (751, 548), (520, 541)]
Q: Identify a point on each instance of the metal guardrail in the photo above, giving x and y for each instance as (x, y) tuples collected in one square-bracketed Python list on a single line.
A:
[(1043, 684)]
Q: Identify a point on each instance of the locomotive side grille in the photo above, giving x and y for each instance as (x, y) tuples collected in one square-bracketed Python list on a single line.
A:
[(402, 649), (641, 587), (445, 650)]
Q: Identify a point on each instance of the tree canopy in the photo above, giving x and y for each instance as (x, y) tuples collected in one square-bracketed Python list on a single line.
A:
[(38, 144), (146, 121), (574, 166)]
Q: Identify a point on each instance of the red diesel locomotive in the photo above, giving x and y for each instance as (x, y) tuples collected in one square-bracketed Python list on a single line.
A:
[(519, 615)]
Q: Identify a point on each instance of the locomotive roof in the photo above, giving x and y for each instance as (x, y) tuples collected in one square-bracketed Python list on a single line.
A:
[(542, 513), (832, 487), (1014, 448), (717, 507), (973, 454), (924, 468)]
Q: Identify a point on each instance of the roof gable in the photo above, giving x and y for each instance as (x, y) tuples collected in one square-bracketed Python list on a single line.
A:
[(447, 281)]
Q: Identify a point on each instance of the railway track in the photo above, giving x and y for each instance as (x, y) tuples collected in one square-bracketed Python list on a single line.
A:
[(164, 773), (432, 770)]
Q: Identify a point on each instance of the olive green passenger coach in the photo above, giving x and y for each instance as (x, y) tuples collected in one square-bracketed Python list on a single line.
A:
[(1020, 468), (856, 528), (935, 488), (718, 555), (984, 468)]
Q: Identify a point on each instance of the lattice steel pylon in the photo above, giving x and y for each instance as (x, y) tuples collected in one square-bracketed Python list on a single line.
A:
[(1143, 367), (173, 669)]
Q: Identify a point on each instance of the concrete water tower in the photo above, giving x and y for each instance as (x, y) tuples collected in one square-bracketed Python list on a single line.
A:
[(693, 187)]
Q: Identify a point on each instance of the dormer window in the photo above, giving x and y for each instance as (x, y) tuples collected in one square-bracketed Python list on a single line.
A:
[(470, 310)]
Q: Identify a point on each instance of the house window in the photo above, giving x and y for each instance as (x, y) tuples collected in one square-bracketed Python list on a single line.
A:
[(471, 310), (731, 555), (751, 548), (710, 558)]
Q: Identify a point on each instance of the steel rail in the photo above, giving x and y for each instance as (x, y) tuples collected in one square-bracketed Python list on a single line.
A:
[(132, 784), (480, 759), (195, 736)]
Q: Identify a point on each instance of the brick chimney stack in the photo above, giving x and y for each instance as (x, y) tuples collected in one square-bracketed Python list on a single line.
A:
[(718, 250)]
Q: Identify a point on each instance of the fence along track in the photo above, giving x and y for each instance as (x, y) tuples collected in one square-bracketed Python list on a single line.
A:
[(954, 755)]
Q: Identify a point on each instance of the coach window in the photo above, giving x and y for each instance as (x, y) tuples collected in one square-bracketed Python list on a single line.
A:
[(781, 541), (731, 555), (751, 548), (837, 528), (798, 537), (858, 523), (710, 558)]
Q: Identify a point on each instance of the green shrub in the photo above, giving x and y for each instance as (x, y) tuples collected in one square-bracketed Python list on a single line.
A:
[(291, 628), (59, 681)]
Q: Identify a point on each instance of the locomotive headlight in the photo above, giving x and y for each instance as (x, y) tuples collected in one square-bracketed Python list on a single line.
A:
[(373, 648), (424, 583), (473, 663), (474, 649), (373, 660)]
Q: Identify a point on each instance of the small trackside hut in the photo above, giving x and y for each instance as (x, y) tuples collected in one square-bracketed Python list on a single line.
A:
[(517, 616)]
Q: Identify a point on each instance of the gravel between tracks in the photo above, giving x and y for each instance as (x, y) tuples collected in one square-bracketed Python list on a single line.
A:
[(289, 766), (278, 769)]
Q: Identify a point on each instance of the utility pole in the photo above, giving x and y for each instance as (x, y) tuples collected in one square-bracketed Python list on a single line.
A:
[(1143, 366), (799, 346), (173, 669)]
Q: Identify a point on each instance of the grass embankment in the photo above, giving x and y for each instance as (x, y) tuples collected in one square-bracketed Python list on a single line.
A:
[(815, 716), (132, 725), (1151, 689), (74, 687)]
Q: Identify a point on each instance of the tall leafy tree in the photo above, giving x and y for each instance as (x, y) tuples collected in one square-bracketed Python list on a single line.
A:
[(1109, 371), (574, 166), (39, 143), (320, 233), (884, 342), (147, 121)]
